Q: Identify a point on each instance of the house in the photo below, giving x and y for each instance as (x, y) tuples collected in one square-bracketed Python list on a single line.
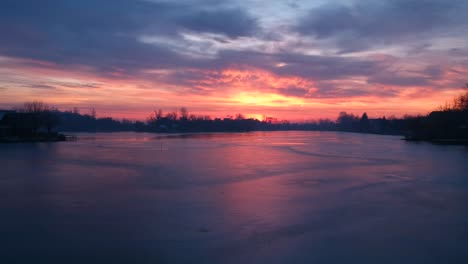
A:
[(5, 129), (13, 123)]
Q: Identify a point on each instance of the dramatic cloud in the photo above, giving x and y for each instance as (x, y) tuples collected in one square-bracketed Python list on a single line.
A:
[(231, 22), (358, 25), (106, 35), (246, 54)]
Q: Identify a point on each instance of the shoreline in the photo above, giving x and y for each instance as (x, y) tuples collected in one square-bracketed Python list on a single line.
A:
[(439, 141), (37, 139)]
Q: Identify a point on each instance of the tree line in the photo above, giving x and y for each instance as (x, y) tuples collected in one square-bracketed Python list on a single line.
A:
[(39, 118), (33, 118), (447, 125)]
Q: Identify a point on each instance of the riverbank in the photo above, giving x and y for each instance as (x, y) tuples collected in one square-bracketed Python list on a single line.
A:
[(442, 141), (56, 137)]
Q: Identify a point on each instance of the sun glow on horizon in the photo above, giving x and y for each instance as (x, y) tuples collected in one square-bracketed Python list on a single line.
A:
[(250, 91)]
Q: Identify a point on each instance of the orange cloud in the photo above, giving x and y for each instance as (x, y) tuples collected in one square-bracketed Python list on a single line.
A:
[(251, 91)]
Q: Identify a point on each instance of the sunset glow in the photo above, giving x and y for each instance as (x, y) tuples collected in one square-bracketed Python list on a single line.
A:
[(312, 61)]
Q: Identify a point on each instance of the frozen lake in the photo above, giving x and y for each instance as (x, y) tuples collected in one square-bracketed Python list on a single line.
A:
[(263, 197)]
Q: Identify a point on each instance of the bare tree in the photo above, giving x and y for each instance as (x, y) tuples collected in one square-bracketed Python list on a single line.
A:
[(41, 115), (34, 107), (461, 102), (158, 114), (93, 113), (240, 117), (192, 117), (183, 113), (50, 120), (171, 116)]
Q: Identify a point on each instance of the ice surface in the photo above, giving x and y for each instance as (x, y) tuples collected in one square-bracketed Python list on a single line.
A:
[(263, 197)]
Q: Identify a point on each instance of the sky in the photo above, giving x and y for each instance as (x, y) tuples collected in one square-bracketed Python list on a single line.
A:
[(295, 59)]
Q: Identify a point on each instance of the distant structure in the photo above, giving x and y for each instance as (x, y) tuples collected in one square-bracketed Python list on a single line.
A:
[(28, 127), (5, 128)]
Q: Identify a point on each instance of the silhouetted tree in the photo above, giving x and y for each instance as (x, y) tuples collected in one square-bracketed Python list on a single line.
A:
[(35, 107), (364, 123), (158, 114), (461, 102), (192, 117), (347, 122), (36, 110), (39, 115), (93, 113), (240, 117), (183, 114), (448, 125), (51, 119), (171, 116)]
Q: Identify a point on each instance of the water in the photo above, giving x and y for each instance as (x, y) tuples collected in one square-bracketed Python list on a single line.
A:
[(263, 197)]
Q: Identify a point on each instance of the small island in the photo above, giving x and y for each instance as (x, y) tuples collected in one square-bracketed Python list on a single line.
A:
[(35, 122)]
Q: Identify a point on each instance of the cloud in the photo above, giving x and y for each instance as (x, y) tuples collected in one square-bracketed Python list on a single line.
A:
[(348, 90), (294, 91), (106, 35), (326, 67), (359, 25), (232, 22), (398, 80), (220, 48), (41, 86)]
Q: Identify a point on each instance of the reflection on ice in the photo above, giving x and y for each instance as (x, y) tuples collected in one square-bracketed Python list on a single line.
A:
[(263, 197)]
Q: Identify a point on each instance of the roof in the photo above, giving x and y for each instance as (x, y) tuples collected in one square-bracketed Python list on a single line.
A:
[(4, 112)]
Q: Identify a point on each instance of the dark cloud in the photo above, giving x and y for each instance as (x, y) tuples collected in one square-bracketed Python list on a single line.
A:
[(424, 77), (326, 71), (306, 66), (434, 71), (231, 22), (77, 85), (330, 89), (293, 91), (458, 52), (105, 35), (390, 78), (294, 5), (41, 86), (127, 17), (362, 24), (325, 67)]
